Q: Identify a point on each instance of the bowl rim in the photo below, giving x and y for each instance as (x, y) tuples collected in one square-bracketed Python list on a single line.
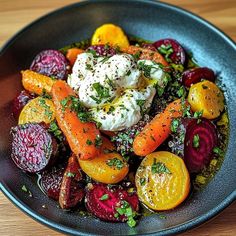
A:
[(64, 229)]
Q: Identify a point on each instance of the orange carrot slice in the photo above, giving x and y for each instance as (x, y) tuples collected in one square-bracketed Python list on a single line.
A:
[(157, 131), (36, 83), (72, 54), (82, 137), (146, 54)]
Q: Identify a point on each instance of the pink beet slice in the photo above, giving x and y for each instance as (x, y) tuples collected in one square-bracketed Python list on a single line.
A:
[(70, 192), (51, 181), (103, 50), (195, 75), (33, 148), (102, 201), (200, 139), (20, 101), (51, 63), (178, 55)]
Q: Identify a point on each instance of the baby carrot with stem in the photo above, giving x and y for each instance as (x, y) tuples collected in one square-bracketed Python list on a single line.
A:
[(83, 137), (157, 131)]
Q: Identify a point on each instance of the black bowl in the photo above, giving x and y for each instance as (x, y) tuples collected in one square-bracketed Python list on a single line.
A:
[(146, 19)]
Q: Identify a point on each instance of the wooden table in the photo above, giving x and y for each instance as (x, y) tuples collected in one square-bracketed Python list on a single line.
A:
[(16, 14)]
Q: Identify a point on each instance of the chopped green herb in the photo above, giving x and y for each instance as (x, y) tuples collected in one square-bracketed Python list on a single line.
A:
[(53, 128), (142, 181), (88, 66), (204, 86), (89, 142), (166, 50), (159, 167), (126, 210), (47, 112), (137, 55), (161, 216), (218, 151), (115, 162), (98, 141), (196, 140), (111, 109), (104, 197), (197, 114), (23, 188), (102, 92), (174, 125), (70, 174)]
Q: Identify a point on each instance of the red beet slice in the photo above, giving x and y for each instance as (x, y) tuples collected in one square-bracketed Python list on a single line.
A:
[(71, 192), (195, 75), (51, 63), (102, 201), (103, 50), (200, 139), (51, 182), (33, 148), (178, 55), (149, 46), (20, 101)]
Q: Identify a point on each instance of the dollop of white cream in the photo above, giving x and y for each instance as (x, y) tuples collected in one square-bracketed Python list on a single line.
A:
[(114, 89)]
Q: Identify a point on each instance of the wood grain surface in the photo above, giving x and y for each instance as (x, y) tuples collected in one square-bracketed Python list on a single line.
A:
[(15, 14)]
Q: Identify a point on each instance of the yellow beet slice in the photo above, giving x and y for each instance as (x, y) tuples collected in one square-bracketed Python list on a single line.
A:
[(37, 110), (110, 34), (162, 181), (109, 167), (205, 96)]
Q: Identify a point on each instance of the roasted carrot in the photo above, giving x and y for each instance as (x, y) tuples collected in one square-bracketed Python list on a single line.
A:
[(72, 54), (83, 138), (157, 131), (36, 83), (146, 54)]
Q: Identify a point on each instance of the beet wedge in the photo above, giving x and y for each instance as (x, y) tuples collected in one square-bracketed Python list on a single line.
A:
[(71, 193), (200, 140), (51, 181), (105, 202)]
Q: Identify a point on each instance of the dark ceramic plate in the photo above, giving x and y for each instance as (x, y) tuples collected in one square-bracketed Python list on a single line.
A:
[(146, 19)]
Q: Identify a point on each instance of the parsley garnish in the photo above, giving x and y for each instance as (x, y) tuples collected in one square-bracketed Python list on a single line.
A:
[(174, 125), (74, 104), (89, 142), (166, 50), (142, 181), (102, 92), (159, 167), (104, 197), (115, 162), (53, 128), (127, 211), (196, 140), (70, 174), (98, 141), (47, 112), (218, 151)]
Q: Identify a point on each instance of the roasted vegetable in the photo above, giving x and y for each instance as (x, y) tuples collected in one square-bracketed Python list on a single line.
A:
[(162, 181), (207, 98), (33, 148)]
